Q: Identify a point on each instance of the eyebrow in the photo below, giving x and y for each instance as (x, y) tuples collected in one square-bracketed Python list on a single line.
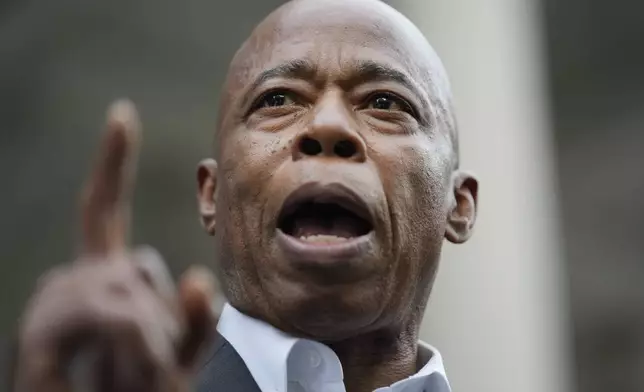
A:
[(371, 71), (361, 71), (298, 69)]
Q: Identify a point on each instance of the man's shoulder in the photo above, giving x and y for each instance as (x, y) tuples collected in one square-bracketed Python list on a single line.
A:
[(224, 370)]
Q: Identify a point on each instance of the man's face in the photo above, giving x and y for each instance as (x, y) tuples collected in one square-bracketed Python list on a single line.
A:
[(334, 181)]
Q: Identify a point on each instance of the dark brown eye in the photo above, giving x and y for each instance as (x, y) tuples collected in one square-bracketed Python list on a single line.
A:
[(275, 99), (385, 101)]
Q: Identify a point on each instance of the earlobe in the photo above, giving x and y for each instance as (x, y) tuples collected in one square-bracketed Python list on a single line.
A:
[(207, 186), (461, 215)]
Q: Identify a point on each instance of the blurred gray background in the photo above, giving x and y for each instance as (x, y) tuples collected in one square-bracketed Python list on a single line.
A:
[(62, 62), (596, 61)]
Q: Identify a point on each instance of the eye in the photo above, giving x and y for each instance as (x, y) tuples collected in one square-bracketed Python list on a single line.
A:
[(388, 101), (274, 99)]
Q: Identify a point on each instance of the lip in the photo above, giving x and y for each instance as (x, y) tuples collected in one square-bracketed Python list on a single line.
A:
[(325, 253)]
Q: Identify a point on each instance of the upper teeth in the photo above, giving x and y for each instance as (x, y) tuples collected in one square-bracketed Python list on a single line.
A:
[(322, 238)]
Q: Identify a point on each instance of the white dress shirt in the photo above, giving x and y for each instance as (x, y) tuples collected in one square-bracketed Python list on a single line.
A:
[(281, 363)]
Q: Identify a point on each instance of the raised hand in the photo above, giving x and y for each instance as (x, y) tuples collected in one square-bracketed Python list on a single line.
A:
[(113, 320)]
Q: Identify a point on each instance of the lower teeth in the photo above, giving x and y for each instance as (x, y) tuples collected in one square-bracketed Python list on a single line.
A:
[(323, 238)]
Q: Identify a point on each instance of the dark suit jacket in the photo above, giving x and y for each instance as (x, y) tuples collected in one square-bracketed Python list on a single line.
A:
[(222, 371), (225, 371)]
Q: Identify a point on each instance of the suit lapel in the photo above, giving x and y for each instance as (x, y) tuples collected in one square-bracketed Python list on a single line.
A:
[(225, 371)]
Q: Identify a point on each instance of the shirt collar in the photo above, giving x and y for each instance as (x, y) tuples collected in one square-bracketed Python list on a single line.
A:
[(274, 358)]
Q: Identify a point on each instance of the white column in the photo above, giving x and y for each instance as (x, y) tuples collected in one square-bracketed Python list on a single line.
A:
[(499, 309)]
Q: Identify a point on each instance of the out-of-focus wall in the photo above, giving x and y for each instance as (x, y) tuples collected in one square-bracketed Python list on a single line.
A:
[(596, 61), (499, 309)]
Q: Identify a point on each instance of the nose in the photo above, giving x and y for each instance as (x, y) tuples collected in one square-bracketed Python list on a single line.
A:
[(331, 133)]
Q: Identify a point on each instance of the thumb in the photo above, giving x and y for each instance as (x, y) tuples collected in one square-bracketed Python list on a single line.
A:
[(196, 293)]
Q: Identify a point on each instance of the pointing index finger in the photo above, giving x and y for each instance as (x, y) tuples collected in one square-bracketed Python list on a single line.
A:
[(105, 203)]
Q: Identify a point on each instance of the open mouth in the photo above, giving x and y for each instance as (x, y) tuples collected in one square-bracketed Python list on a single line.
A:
[(319, 214)]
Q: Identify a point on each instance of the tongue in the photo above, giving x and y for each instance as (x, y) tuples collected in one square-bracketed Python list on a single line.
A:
[(326, 227)]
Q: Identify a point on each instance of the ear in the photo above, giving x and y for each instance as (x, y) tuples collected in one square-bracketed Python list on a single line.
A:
[(207, 181), (461, 215)]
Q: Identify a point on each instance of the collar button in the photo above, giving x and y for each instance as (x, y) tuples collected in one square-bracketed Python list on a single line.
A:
[(314, 359)]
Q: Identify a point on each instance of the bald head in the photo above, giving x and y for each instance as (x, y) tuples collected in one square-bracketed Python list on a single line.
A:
[(302, 22)]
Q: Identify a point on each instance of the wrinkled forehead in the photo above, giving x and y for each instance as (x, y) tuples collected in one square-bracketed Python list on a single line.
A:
[(334, 36)]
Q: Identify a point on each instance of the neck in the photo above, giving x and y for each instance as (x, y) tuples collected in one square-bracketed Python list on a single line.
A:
[(377, 359)]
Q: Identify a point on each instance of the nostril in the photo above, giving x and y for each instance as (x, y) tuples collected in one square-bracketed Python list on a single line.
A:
[(344, 149), (310, 146)]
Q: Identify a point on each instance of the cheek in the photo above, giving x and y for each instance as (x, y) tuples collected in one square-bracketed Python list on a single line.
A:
[(425, 204), (416, 179), (248, 160)]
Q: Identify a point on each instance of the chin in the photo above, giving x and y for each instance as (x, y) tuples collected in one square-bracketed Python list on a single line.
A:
[(329, 312)]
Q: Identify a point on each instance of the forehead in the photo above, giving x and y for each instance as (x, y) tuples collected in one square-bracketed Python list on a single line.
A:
[(335, 35)]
